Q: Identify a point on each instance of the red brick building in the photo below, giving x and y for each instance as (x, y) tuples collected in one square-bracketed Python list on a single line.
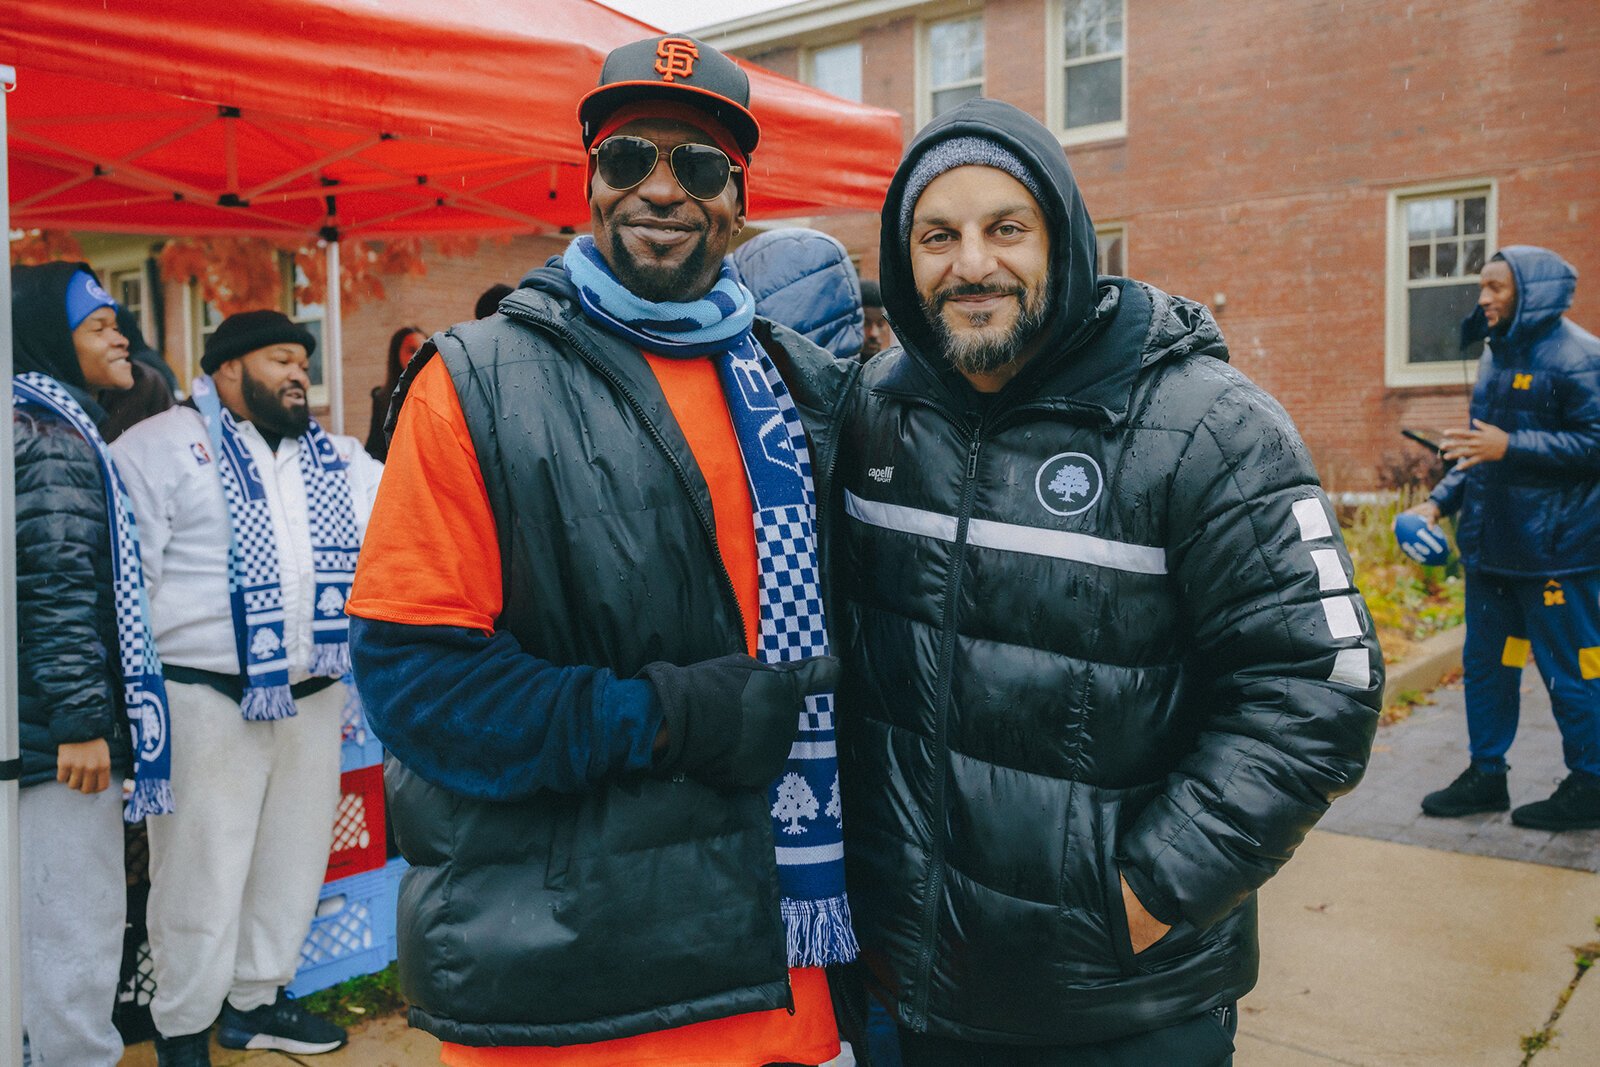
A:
[(1327, 175)]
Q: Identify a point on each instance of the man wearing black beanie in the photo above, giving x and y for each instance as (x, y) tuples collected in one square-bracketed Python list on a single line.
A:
[(1105, 664), (240, 489)]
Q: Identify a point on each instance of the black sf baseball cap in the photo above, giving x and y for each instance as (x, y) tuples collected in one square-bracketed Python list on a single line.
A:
[(676, 68)]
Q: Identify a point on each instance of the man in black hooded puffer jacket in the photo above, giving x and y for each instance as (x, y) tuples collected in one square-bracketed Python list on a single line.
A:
[(1106, 664)]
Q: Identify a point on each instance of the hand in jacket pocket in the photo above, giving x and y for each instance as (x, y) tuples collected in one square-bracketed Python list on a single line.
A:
[(1144, 929)]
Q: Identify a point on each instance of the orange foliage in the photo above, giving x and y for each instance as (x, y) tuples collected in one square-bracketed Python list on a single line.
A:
[(241, 273), (44, 246)]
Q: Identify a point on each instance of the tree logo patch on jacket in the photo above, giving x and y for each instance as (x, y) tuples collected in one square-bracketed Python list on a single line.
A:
[(1069, 483)]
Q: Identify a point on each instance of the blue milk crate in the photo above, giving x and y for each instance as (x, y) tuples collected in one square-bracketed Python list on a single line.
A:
[(353, 932), (358, 746)]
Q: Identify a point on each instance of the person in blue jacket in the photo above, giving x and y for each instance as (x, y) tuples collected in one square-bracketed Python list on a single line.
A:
[(804, 279), (1526, 486)]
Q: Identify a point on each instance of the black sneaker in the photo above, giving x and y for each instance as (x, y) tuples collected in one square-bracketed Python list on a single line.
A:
[(1472, 792), (188, 1050), (1575, 805), (282, 1025)]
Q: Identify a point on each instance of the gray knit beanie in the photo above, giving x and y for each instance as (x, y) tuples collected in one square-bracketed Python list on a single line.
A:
[(960, 152)]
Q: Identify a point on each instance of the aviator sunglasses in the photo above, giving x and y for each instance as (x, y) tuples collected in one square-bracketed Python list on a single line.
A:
[(701, 170)]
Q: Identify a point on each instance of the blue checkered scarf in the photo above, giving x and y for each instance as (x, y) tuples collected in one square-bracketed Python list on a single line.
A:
[(807, 820), (254, 586), (144, 691)]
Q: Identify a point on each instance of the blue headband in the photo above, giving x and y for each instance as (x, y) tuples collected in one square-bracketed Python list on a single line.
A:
[(84, 298)]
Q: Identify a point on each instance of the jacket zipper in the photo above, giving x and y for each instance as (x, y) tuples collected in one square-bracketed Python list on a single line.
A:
[(707, 523), (947, 649)]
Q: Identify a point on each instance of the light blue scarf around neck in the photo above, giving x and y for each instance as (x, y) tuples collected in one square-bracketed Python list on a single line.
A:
[(807, 818)]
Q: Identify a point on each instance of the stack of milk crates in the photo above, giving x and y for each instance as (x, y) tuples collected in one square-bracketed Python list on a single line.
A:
[(353, 932)]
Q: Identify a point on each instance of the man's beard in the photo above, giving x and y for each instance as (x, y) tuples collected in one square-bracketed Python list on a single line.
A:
[(985, 353), (661, 284), (271, 413)]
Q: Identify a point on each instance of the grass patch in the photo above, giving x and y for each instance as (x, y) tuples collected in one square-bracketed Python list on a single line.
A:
[(366, 996), (1583, 957), (1408, 602)]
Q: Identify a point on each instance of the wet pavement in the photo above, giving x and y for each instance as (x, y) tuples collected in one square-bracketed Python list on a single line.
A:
[(1428, 750)]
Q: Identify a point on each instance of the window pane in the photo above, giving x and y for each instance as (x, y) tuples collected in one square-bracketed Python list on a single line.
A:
[(314, 326), (1113, 31), (949, 98), (1446, 260), (837, 70), (1421, 262), (1435, 322), (1429, 218), (955, 51), (1474, 264), (1094, 93), (1110, 249), (1092, 27), (1476, 211)]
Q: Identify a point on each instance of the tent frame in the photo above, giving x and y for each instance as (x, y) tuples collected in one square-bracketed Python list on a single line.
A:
[(10, 793)]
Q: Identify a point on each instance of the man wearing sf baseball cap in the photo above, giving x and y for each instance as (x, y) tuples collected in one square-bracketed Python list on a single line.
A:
[(607, 707)]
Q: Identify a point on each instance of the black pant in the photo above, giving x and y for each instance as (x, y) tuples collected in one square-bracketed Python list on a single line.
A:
[(1204, 1040)]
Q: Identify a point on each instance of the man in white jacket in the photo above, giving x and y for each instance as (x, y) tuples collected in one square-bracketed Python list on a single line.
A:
[(249, 517)]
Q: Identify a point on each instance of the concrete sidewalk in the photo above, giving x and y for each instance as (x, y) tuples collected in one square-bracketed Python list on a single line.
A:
[(1390, 940)]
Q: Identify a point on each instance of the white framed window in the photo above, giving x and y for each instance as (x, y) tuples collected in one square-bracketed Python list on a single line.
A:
[(1439, 239), (1089, 71), (310, 316), (1111, 249), (204, 319), (836, 69), (952, 51), (127, 287)]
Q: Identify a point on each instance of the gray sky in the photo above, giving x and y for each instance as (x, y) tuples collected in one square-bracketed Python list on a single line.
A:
[(682, 15)]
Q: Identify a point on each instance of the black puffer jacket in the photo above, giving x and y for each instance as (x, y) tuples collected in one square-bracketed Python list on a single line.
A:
[(1101, 624), (68, 684)]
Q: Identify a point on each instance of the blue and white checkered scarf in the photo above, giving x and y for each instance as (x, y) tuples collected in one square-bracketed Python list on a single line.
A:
[(808, 822), (144, 691), (254, 584)]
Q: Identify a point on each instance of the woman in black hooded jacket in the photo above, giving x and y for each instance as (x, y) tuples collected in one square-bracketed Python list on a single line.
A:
[(74, 731)]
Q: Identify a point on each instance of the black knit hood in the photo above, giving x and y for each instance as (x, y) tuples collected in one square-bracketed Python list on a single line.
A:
[(41, 338), (1073, 294)]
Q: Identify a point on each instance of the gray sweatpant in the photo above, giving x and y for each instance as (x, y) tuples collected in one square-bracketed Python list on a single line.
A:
[(74, 906), (236, 870)]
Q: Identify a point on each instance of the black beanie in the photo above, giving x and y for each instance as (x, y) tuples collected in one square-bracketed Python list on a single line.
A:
[(247, 331)]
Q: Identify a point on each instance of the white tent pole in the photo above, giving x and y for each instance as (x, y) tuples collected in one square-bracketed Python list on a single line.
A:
[(333, 337), (10, 841)]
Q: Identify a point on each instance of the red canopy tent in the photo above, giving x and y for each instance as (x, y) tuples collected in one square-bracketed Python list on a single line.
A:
[(365, 118), (419, 117), (362, 118)]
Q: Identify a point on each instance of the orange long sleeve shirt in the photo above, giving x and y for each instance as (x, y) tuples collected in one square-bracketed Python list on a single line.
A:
[(431, 558)]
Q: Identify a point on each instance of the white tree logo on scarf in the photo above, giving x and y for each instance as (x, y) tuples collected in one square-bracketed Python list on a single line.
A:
[(146, 717), (796, 801), (331, 602), (1069, 483), (264, 644)]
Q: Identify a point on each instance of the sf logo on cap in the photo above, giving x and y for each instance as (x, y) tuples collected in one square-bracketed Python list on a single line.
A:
[(675, 57)]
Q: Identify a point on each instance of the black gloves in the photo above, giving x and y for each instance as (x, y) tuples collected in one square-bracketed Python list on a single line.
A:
[(731, 721)]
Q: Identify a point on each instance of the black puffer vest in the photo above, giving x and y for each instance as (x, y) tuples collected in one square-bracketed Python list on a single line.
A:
[(645, 904)]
